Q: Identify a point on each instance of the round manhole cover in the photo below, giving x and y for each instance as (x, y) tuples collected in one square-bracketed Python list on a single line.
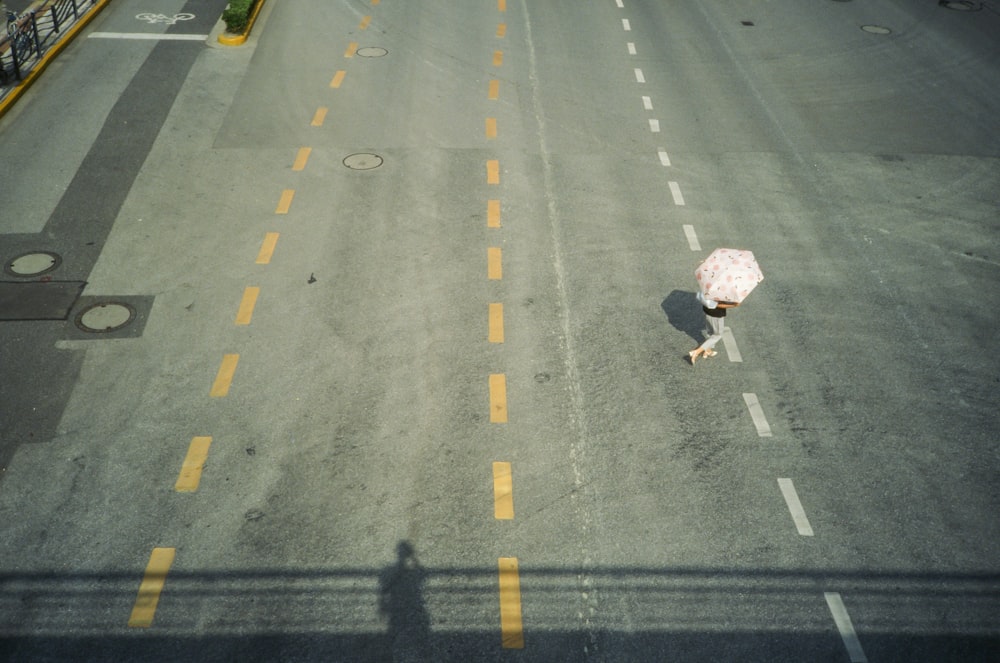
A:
[(960, 5), (372, 52), (363, 161), (105, 317), (876, 29), (33, 264)]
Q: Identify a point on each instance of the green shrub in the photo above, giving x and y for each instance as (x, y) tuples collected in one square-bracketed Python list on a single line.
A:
[(237, 15)]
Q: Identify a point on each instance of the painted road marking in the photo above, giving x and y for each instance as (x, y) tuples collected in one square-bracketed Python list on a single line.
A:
[(692, 238), (654, 126), (620, 3), (647, 103), (639, 78), (491, 127), (757, 414), (352, 48), (375, 2), (503, 492), (501, 30), (364, 23), (795, 507), (302, 158), (502, 5), (194, 463), (511, 626), (338, 78), (224, 378), (626, 25), (631, 48), (675, 191), (846, 628), (267, 248), (151, 586), (494, 89), (497, 58), (320, 116), (498, 398), (146, 35), (496, 323), (731, 348), (492, 213), (493, 171), (664, 158), (245, 313), (286, 201), (494, 263)]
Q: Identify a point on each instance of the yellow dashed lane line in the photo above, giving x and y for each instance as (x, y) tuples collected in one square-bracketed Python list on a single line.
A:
[(338, 79), (245, 312), (503, 492), (152, 585), (320, 116), (494, 92), (493, 171), (302, 158), (285, 203), (267, 248), (224, 378), (194, 463), (496, 323), (494, 263), (511, 627), (493, 213), (498, 398)]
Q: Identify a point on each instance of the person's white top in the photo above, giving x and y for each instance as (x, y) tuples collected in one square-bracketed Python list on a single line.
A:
[(707, 303)]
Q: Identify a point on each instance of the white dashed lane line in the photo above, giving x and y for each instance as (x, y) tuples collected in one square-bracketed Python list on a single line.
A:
[(626, 25), (757, 414), (675, 191), (795, 507), (731, 348), (639, 77), (631, 48), (654, 126), (692, 239), (846, 628)]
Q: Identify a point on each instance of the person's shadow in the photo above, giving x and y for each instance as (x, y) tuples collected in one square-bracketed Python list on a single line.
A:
[(401, 602), (685, 314)]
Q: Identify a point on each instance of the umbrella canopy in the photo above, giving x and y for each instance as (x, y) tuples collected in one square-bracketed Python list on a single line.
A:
[(728, 275)]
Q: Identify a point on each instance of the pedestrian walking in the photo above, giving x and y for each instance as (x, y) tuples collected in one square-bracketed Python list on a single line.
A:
[(725, 278), (715, 316)]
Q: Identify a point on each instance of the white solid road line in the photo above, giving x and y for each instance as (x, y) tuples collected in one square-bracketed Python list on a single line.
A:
[(757, 414), (846, 628), (675, 191), (692, 239), (730, 342), (795, 507), (145, 35)]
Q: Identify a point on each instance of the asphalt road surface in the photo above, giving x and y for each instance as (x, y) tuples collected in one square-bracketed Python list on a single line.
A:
[(367, 340)]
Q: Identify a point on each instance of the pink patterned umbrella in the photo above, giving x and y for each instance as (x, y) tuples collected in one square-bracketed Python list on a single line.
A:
[(728, 275)]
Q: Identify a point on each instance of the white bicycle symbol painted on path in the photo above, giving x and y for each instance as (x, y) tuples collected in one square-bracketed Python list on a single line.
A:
[(163, 18)]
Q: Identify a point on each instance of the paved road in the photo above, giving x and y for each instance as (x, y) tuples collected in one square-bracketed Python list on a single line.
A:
[(395, 338)]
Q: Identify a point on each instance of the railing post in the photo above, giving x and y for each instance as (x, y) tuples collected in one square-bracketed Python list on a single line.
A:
[(55, 18), (34, 30)]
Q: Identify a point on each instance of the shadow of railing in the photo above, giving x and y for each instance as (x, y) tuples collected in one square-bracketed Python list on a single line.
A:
[(405, 611)]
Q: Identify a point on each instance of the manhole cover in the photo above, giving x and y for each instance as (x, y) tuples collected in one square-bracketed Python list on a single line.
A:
[(372, 52), (106, 317), (33, 264), (960, 5), (363, 161), (876, 29)]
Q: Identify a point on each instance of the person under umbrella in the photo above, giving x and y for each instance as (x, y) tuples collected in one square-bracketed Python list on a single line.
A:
[(725, 278)]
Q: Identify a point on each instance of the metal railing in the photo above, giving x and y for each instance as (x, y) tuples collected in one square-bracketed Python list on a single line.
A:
[(29, 35)]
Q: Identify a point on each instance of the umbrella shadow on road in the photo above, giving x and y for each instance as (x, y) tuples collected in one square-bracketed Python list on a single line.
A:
[(684, 313)]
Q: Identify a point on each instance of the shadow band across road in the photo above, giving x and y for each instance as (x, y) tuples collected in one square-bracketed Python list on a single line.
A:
[(408, 612)]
